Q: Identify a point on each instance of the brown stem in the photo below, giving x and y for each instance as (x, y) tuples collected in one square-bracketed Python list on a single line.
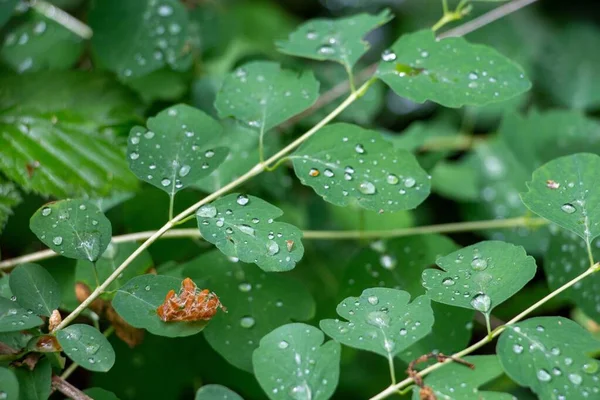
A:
[(68, 390)]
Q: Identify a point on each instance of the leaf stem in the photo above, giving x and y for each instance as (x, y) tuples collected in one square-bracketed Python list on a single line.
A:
[(588, 245), (171, 205), (392, 368), (488, 338), (59, 16)]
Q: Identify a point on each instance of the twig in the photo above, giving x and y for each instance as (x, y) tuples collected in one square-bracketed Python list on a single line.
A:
[(59, 16), (68, 390)]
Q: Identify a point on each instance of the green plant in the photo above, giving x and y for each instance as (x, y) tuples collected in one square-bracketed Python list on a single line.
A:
[(73, 128)]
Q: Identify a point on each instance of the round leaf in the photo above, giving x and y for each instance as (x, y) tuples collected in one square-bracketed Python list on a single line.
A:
[(87, 346), (216, 392), (339, 40), (177, 149), (72, 228), (14, 318), (138, 299), (381, 321), (292, 361), (343, 162), (35, 289), (451, 72), (549, 355), (565, 191), (263, 95), (480, 276), (243, 226), (35, 384), (256, 303), (10, 384), (146, 36), (97, 393)]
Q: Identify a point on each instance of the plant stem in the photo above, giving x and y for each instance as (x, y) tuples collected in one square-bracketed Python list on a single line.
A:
[(392, 368), (68, 390), (257, 169), (171, 206), (488, 338), (329, 235), (59, 16)]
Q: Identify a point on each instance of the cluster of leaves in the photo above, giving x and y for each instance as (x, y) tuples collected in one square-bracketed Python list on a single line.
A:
[(80, 137)]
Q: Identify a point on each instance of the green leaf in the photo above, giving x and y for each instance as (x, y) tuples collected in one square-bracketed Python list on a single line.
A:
[(339, 40), (10, 384), (243, 226), (216, 392), (263, 95), (177, 149), (35, 385), (110, 260), (41, 44), (138, 299), (9, 198), (87, 346), (451, 72), (479, 277), (381, 321), (344, 162), (35, 289), (163, 84), (58, 133), (256, 303), (458, 382), (284, 356), (564, 191), (146, 37), (456, 180), (97, 393), (72, 228), (565, 259), (15, 318), (550, 356)]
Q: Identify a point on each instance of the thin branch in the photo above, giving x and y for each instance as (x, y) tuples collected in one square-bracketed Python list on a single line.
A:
[(68, 390), (59, 16)]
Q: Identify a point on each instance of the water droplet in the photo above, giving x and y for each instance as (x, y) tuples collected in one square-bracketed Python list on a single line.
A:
[(147, 288), (366, 188), (328, 173), (272, 248), (165, 11), (92, 348), (313, 172), (301, 392), (568, 208), (576, 379), (135, 140), (388, 261), (248, 230), (409, 182), (245, 287), (389, 345), (209, 154), (207, 211), (57, 240), (473, 76), (247, 322), (392, 179), (149, 135), (543, 375), (481, 302), (550, 184), (388, 55), (479, 264), (403, 332), (590, 367), (359, 149), (555, 351), (184, 170), (378, 318), (311, 35), (46, 211), (283, 344), (373, 300), (424, 54), (39, 28), (242, 200), (517, 348), (326, 50), (134, 155), (165, 182), (448, 282)]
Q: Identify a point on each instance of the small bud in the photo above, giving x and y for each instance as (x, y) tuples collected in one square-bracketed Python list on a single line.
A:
[(55, 320)]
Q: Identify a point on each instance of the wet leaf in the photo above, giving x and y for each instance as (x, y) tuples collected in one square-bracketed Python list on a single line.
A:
[(35, 289), (287, 353), (216, 392), (451, 72), (87, 346), (344, 162), (177, 149), (6, 9), (564, 191), (381, 320), (72, 228), (147, 36), (257, 303), (455, 381), (97, 393), (35, 385), (263, 95), (138, 299), (479, 277), (339, 40), (550, 356), (243, 226), (10, 384), (15, 318)]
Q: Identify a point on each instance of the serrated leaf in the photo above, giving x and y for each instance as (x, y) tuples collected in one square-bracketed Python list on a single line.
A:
[(564, 191), (565, 259), (97, 393), (458, 382), (451, 72), (138, 299), (216, 392), (9, 198), (344, 162), (147, 36), (481, 276), (10, 384), (256, 303), (243, 226), (550, 356), (263, 95), (381, 321), (35, 384), (39, 44), (72, 228), (284, 356), (58, 133), (87, 346), (339, 40), (110, 260), (177, 149), (35, 289), (15, 318)]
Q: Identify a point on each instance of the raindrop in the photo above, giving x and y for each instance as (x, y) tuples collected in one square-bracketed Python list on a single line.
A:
[(373, 300), (479, 264), (242, 200), (149, 135), (326, 50), (424, 54), (409, 182), (389, 345), (481, 302), (590, 367), (134, 155), (359, 149), (473, 76), (328, 173), (135, 140), (388, 55), (311, 35), (46, 211), (209, 153), (448, 282), (245, 287), (165, 182), (207, 211), (165, 11), (248, 230), (388, 261), (367, 188), (378, 318), (543, 375), (568, 208), (283, 344), (576, 379), (39, 28), (517, 348), (392, 179), (247, 322), (57, 240), (313, 172), (301, 392), (147, 288), (403, 332), (272, 248), (184, 170)]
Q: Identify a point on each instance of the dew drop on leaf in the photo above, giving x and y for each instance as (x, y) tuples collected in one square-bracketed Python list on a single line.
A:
[(388, 261), (283, 344), (576, 379), (245, 287), (272, 248), (517, 348), (247, 322), (392, 179), (448, 282), (242, 200), (359, 149), (543, 375), (367, 188), (207, 211), (378, 318), (568, 208), (57, 240), (165, 182), (388, 55), (481, 302), (409, 182), (46, 211), (479, 264), (373, 300), (590, 367)]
